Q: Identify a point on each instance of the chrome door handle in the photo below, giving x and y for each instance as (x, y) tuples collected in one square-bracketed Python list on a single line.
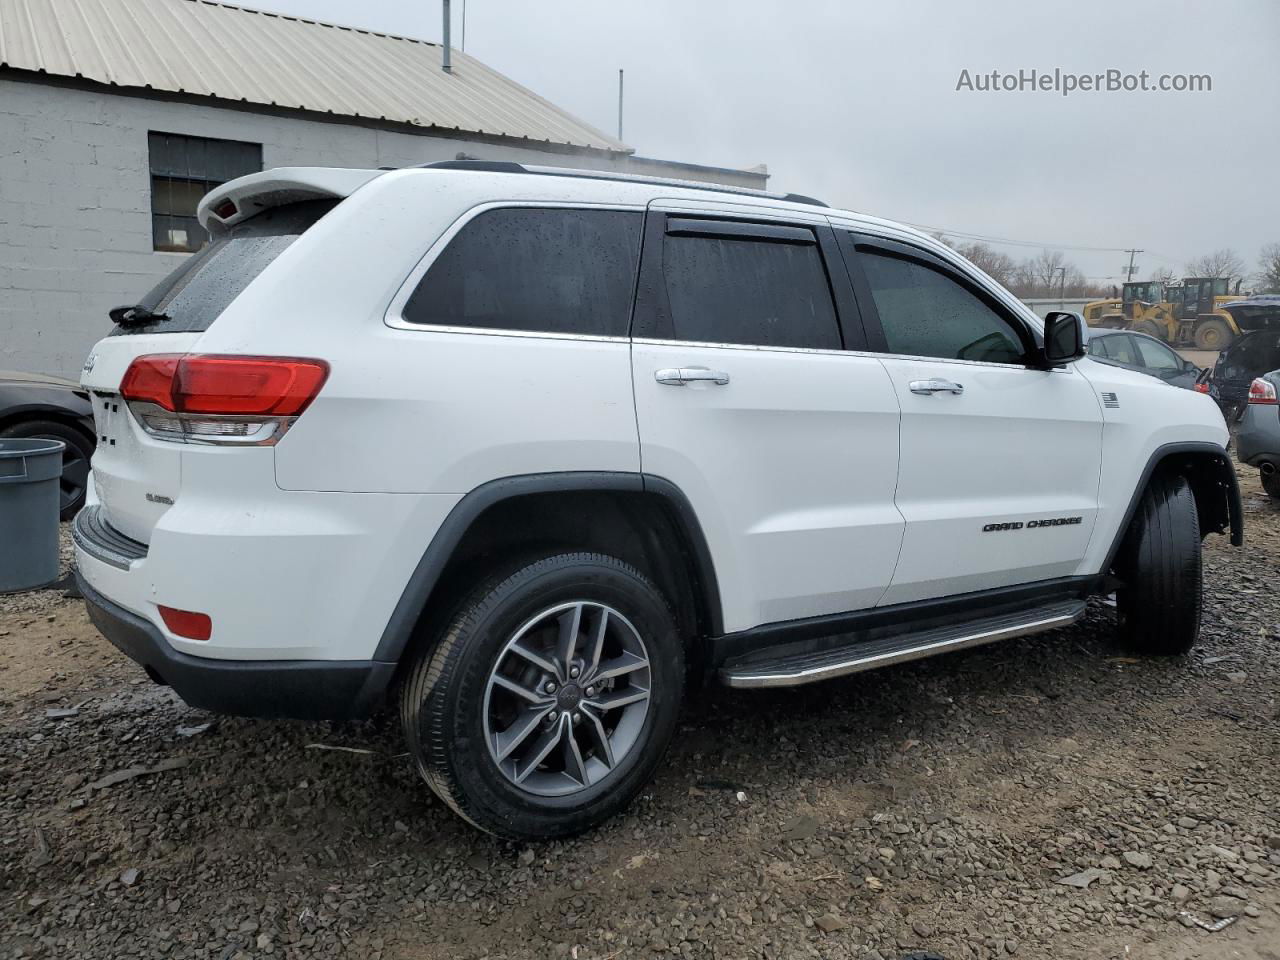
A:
[(936, 385), (679, 376)]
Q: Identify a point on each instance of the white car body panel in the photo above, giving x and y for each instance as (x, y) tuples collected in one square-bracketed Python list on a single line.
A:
[(302, 550), (1016, 445), (1150, 415), (797, 512)]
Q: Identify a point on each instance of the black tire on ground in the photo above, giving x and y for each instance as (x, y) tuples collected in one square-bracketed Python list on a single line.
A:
[(446, 709), (1271, 484), (1158, 607), (75, 458), (1150, 328), (1213, 334)]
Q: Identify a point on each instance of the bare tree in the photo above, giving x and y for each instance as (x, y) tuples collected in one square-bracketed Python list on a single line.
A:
[(998, 266), (1164, 275), (1221, 263), (1269, 269), (1046, 270)]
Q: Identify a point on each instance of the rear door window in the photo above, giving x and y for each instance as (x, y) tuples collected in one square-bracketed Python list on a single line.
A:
[(192, 296), (749, 290), (535, 270), (1158, 357)]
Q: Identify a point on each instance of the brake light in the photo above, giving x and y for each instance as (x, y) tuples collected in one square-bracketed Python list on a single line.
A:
[(221, 399), (185, 623), (1262, 391)]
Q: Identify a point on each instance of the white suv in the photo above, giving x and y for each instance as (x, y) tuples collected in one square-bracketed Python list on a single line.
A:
[(524, 448)]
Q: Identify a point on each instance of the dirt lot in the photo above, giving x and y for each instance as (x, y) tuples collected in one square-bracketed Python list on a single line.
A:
[(929, 806)]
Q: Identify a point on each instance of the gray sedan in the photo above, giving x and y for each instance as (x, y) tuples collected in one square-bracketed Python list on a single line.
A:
[(1259, 437), (1145, 354)]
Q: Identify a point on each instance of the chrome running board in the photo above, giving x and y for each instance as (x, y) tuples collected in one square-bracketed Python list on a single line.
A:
[(797, 669)]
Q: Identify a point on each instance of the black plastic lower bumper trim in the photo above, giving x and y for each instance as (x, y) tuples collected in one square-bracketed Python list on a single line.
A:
[(301, 689)]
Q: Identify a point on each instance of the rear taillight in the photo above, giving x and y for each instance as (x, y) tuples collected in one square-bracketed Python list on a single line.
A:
[(207, 398), (1261, 391)]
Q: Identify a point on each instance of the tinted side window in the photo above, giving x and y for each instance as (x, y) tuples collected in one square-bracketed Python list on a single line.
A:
[(924, 313), (755, 292), (535, 270)]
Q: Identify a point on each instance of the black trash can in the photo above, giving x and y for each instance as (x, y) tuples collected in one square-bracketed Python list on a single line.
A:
[(30, 471)]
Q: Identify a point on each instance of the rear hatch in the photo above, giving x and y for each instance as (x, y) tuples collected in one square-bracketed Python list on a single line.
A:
[(1256, 313), (137, 476), (1250, 356)]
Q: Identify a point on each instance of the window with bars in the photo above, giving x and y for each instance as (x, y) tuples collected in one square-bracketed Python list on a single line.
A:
[(184, 169)]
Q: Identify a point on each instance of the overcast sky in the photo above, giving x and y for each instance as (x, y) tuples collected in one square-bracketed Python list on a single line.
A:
[(856, 103)]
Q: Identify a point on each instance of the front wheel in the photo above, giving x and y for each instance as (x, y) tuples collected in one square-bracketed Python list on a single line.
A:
[(548, 702), (1213, 335), (1158, 606), (1151, 329)]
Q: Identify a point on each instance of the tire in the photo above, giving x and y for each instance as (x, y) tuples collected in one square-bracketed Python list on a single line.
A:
[(1158, 608), (75, 459), (1151, 329), (1271, 484), (456, 705), (1213, 334)]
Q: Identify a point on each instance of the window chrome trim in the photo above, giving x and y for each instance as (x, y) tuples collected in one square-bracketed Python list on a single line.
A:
[(393, 316), (867, 354), (762, 348)]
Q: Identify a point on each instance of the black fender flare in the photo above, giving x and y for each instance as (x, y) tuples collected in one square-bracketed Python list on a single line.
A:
[(413, 599), (1227, 479)]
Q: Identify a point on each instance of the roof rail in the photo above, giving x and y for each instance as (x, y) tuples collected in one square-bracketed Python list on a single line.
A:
[(509, 166)]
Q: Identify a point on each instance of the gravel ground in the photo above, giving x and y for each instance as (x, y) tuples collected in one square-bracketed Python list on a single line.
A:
[(937, 805)]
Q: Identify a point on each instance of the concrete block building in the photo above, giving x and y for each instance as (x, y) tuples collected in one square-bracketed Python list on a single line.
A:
[(116, 116)]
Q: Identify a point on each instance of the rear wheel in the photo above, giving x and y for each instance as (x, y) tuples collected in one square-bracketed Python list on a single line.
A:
[(75, 459), (1271, 484), (1213, 334), (1158, 606), (549, 700)]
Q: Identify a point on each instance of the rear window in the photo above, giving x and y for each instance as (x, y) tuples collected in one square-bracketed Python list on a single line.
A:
[(536, 271), (193, 296)]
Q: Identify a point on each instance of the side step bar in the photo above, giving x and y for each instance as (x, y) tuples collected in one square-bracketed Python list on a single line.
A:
[(797, 669)]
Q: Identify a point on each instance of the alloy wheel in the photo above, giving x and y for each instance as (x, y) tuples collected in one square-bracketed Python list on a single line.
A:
[(567, 698)]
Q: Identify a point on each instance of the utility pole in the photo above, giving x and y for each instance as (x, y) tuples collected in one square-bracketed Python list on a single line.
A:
[(464, 26), (619, 103), (1131, 269), (1062, 288)]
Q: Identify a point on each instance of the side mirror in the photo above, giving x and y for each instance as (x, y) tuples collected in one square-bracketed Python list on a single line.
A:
[(1064, 337)]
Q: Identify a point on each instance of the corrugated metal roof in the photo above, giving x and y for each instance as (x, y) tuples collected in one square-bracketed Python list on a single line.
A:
[(217, 50)]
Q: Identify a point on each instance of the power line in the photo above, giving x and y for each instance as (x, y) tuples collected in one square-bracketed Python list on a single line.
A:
[(1011, 242), (967, 235)]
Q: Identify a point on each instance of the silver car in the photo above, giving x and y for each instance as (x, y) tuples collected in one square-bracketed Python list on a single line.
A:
[(1259, 437)]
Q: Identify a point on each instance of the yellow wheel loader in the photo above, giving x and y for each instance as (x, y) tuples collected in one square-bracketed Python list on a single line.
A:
[(1185, 314)]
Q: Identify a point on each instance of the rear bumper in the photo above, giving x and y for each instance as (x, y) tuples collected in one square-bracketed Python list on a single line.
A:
[(302, 689)]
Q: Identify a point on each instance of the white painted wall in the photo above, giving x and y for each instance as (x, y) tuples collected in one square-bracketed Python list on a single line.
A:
[(75, 202)]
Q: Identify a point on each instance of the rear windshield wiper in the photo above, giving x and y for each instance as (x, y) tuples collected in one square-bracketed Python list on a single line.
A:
[(134, 315)]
